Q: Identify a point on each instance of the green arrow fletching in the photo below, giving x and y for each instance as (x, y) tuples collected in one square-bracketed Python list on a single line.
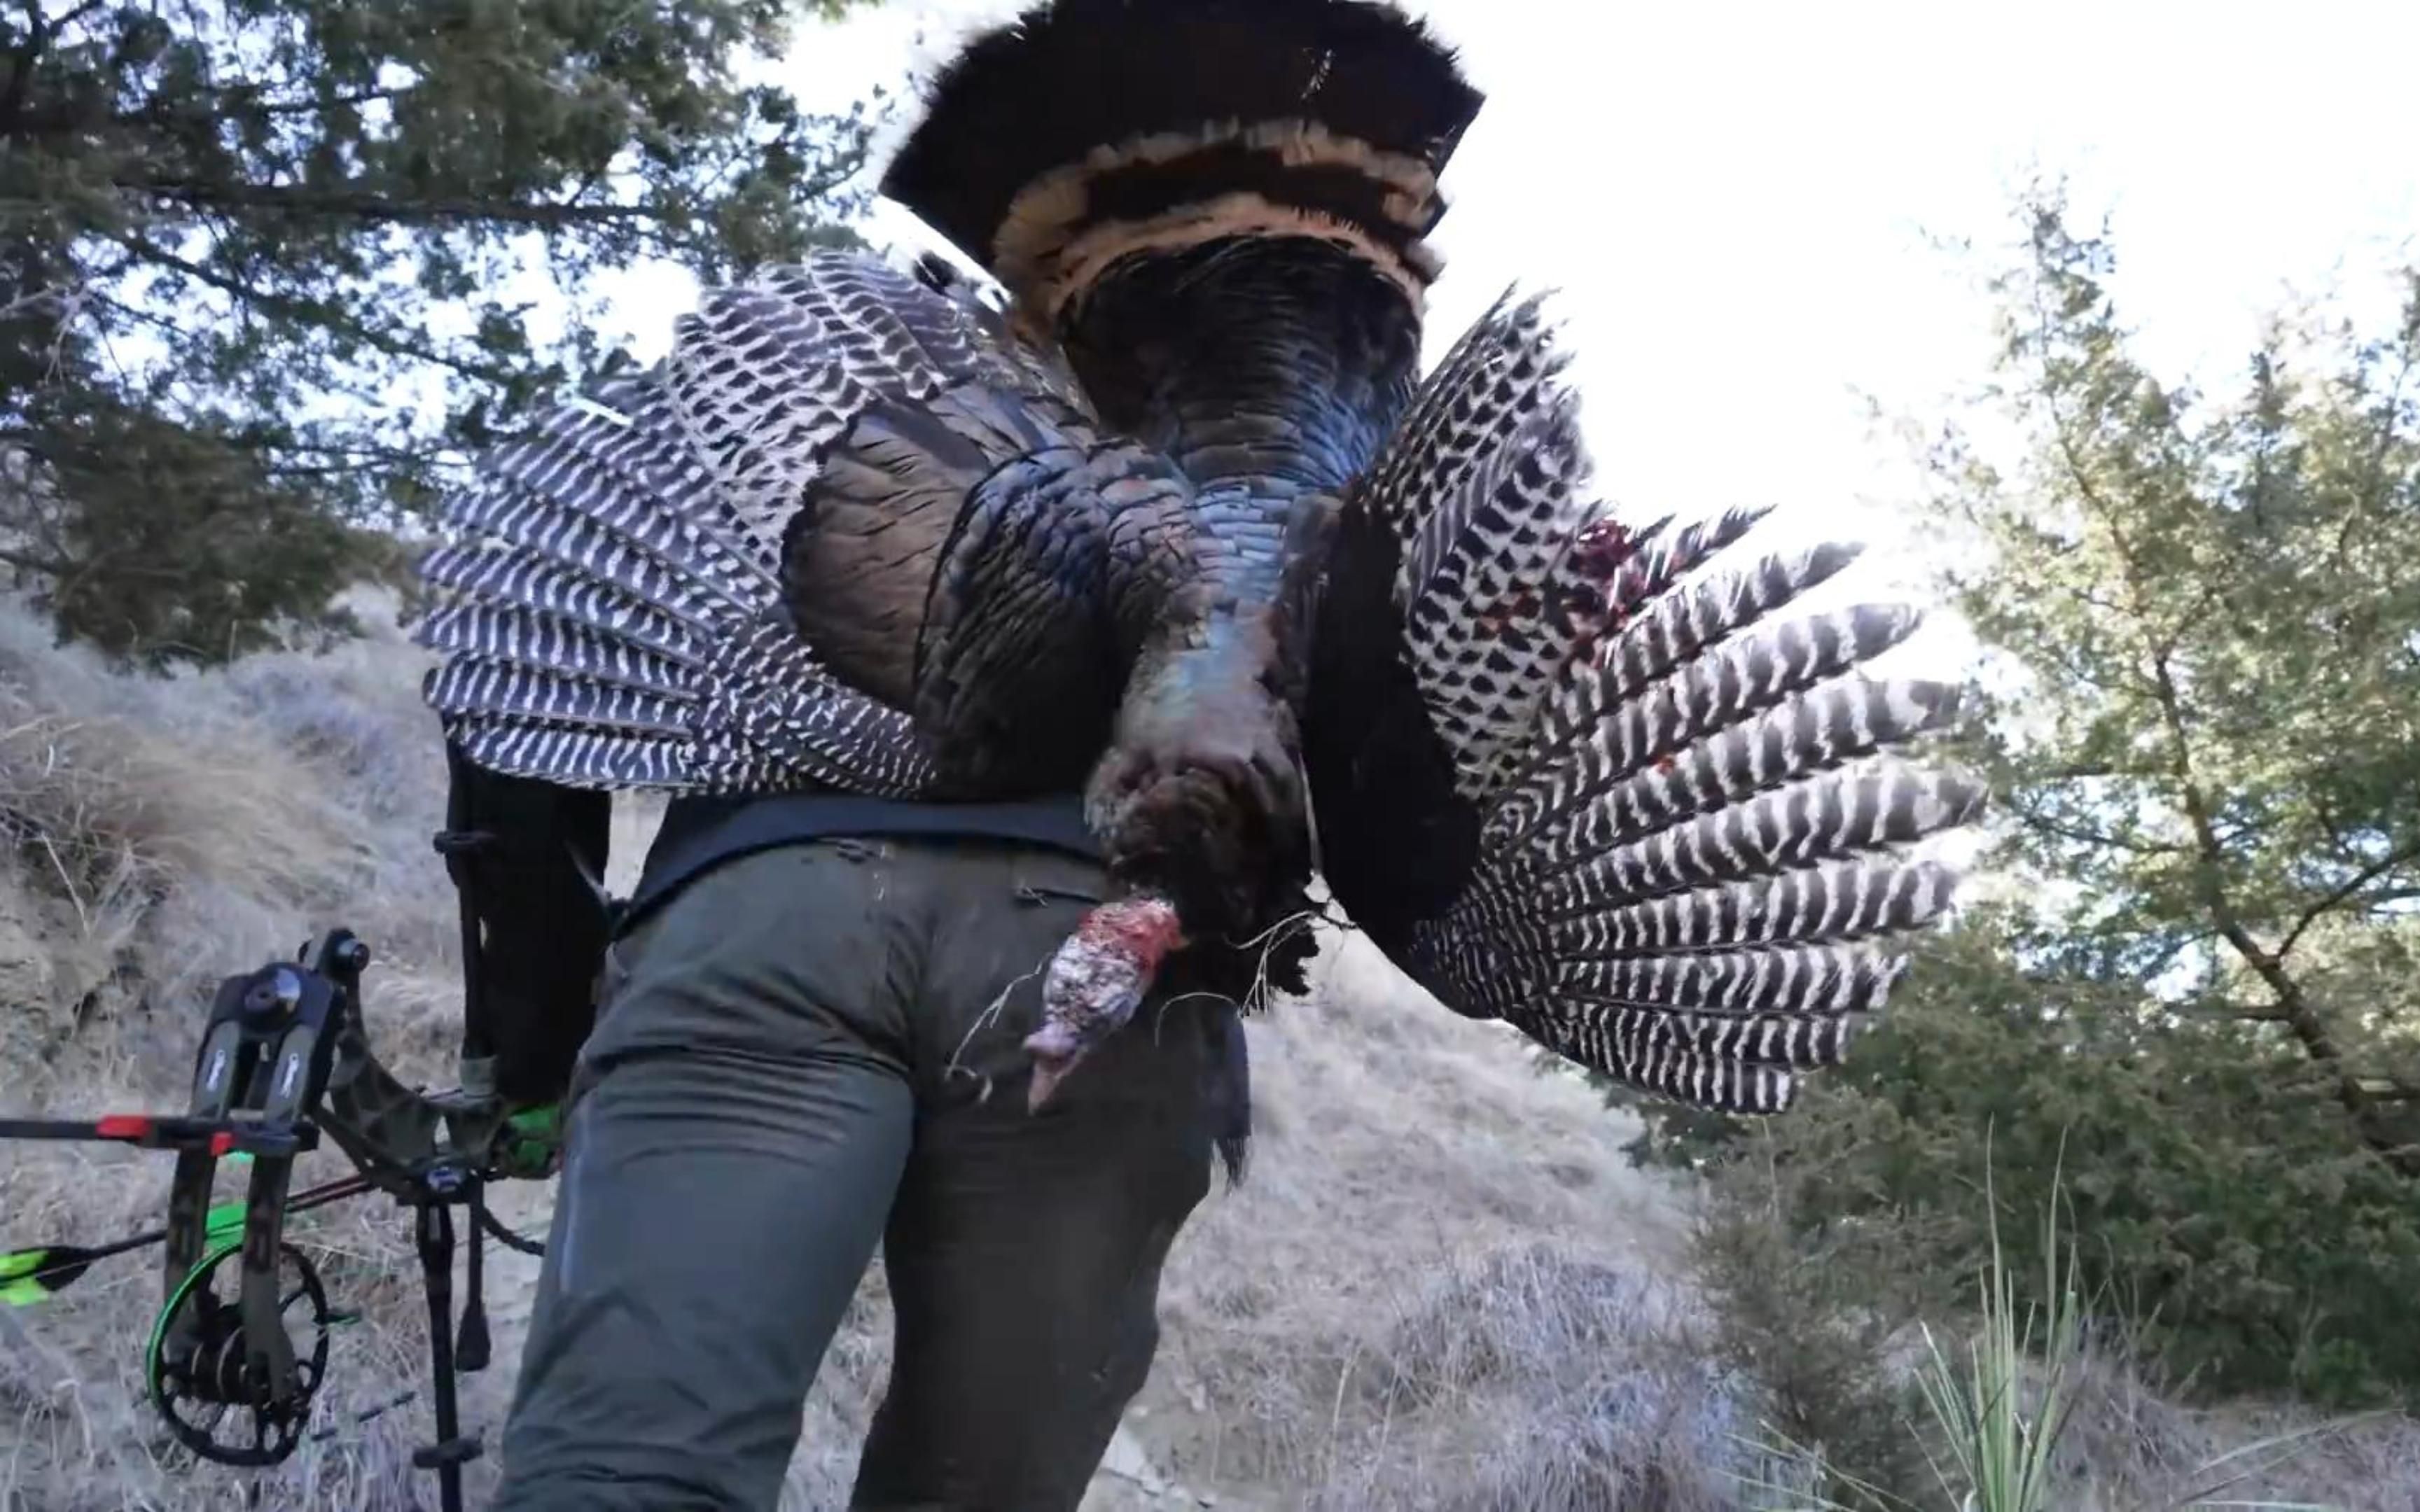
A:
[(22, 1281)]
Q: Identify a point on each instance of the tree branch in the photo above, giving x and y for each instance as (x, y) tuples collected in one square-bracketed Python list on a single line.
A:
[(218, 104), (49, 567), (2401, 855), (382, 208), (308, 311), (2238, 1012), (2090, 837), (2301, 1017)]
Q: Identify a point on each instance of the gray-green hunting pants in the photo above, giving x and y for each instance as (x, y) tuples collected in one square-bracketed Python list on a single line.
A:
[(807, 1051)]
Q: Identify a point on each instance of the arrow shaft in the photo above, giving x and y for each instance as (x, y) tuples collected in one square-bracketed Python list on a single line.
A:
[(73, 1259)]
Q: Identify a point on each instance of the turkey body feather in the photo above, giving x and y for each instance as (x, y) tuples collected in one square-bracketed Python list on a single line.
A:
[(1182, 526)]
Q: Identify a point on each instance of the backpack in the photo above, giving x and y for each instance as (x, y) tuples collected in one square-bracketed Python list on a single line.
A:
[(528, 859)]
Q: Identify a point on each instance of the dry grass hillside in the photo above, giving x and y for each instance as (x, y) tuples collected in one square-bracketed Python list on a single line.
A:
[(1441, 1286), (1428, 1220)]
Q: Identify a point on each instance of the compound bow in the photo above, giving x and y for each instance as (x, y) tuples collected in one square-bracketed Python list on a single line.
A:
[(284, 1056)]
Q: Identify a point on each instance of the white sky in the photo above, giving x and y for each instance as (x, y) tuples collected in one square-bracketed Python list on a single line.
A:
[(1738, 202)]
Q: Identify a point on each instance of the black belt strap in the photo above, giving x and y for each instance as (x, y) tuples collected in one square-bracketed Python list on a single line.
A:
[(700, 834)]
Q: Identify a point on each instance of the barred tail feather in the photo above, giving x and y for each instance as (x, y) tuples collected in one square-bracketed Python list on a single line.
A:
[(1713, 724), (1833, 901), (497, 581), (472, 686), (1830, 726), (769, 373), (1675, 626), (1642, 814), (1492, 380)]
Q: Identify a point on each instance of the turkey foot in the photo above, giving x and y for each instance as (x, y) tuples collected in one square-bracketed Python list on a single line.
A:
[(1097, 979)]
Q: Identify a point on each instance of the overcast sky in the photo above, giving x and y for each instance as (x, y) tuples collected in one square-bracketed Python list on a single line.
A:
[(1739, 203)]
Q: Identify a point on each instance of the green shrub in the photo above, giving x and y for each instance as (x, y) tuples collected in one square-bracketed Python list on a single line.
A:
[(2219, 1197)]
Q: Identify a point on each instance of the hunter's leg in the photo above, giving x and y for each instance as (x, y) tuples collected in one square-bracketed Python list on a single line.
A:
[(744, 1115), (1024, 1250)]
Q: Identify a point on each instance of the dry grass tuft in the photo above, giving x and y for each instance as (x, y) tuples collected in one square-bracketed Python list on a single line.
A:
[(1529, 1379), (165, 832), (1438, 1287)]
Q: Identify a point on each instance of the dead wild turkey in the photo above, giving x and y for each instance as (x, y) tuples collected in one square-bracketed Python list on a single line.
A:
[(1182, 526)]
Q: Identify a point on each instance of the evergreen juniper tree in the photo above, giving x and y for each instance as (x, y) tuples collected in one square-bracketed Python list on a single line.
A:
[(269, 266), (2199, 714)]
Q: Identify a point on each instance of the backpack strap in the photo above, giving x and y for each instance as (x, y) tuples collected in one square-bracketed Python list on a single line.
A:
[(528, 862)]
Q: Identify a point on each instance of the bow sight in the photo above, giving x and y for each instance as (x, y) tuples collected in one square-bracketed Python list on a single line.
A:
[(234, 1363)]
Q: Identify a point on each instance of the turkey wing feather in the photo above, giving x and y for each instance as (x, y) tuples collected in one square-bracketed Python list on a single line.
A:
[(852, 532), (1653, 826)]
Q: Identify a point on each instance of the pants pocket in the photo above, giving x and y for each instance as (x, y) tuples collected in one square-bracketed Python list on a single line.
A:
[(1051, 877)]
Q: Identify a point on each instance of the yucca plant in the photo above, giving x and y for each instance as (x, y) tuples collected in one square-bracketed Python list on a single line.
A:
[(1999, 1441), (2001, 1455)]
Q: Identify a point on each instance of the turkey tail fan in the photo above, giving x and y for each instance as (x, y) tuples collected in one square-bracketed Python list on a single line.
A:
[(625, 601), (1218, 211), (1088, 131), (1659, 820)]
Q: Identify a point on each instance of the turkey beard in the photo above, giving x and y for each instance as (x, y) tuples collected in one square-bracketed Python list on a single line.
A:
[(1096, 980)]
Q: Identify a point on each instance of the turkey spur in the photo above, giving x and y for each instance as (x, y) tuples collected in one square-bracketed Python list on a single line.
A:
[(1176, 522)]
